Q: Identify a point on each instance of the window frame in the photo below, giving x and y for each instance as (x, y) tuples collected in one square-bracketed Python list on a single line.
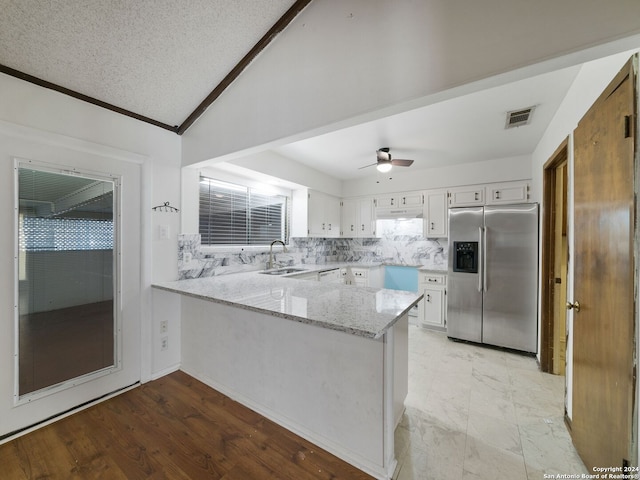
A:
[(248, 187)]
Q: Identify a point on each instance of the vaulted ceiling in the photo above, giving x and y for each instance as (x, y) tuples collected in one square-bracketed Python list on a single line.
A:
[(165, 62), (157, 60)]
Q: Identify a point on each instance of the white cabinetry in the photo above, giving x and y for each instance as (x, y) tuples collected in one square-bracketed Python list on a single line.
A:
[(466, 196), (323, 215), (437, 221), (395, 200), (360, 277), (490, 194), (432, 313), (412, 199), (507, 192), (363, 276), (357, 219)]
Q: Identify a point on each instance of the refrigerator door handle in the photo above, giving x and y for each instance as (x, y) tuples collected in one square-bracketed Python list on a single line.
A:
[(484, 263), (480, 259)]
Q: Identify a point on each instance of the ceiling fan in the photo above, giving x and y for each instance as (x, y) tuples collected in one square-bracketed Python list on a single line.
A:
[(385, 162)]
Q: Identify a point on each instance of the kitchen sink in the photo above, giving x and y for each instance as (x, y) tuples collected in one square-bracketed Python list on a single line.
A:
[(282, 271)]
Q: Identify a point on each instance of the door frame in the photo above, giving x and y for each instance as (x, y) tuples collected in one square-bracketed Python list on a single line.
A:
[(548, 273), (60, 169)]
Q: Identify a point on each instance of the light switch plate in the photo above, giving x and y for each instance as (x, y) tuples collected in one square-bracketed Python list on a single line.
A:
[(163, 232)]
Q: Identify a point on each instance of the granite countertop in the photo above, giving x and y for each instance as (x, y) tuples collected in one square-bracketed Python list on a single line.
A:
[(367, 312), (432, 270)]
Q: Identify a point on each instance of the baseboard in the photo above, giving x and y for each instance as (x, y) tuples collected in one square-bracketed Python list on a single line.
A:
[(320, 441), (23, 431), (164, 372)]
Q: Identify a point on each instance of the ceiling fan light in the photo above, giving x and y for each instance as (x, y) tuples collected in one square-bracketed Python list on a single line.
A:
[(384, 166)]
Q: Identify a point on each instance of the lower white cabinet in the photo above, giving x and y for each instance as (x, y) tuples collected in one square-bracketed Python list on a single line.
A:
[(433, 309), (363, 276), (360, 277)]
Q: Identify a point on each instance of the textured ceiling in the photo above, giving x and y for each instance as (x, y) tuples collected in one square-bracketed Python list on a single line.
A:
[(156, 58)]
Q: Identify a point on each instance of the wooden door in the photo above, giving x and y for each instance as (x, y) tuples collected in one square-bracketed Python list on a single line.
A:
[(603, 328)]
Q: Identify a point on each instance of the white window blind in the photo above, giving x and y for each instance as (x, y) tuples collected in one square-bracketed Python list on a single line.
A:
[(233, 214)]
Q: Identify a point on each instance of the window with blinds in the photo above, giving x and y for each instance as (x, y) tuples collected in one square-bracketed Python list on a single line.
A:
[(233, 214)]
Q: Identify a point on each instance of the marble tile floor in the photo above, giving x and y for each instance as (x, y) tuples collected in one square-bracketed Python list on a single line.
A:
[(476, 413)]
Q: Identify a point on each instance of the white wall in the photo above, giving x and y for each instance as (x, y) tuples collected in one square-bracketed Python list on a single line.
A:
[(587, 87), (342, 62), (44, 126), (498, 170)]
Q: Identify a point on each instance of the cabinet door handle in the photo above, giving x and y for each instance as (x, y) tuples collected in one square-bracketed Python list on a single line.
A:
[(497, 194), (352, 228), (329, 226), (392, 201), (404, 200), (433, 227), (428, 298), (363, 227), (476, 196)]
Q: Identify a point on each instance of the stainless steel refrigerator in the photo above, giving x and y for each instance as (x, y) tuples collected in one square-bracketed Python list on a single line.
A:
[(492, 281)]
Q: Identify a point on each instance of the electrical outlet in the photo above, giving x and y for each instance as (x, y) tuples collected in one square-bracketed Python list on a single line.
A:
[(163, 326), (164, 343)]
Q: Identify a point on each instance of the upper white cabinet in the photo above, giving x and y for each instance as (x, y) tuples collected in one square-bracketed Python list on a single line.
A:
[(412, 199), (395, 200), (323, 215), (466, 196), (436, 222), (357, 218), (489, 194), (507, 192)]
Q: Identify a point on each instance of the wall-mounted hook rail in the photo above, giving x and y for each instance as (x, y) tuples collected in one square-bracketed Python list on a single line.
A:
[(165, 208)]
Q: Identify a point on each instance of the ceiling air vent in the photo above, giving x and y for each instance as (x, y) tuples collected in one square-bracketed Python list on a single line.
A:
[(518, 118)]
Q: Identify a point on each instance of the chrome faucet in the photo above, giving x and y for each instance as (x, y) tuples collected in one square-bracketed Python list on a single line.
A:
[(284, 249)]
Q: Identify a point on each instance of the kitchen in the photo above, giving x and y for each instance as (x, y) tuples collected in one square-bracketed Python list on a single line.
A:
[(159, 157), (210, 273)]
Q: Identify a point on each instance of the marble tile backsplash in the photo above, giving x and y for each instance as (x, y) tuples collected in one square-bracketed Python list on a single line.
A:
[(196, 262)]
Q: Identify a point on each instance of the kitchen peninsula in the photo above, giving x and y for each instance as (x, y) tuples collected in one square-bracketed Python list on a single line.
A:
[(327, 361)]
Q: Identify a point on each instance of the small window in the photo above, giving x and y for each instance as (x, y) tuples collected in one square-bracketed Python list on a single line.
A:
[(232, 214)]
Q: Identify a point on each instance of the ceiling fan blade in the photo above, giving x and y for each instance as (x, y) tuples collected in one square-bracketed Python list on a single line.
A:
[(367, 166), (398, 162)]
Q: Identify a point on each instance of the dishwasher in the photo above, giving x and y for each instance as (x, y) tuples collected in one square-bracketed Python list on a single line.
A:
[(330, 276)]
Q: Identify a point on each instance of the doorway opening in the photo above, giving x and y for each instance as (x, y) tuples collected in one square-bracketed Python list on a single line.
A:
[(555, 261), (66, 320)]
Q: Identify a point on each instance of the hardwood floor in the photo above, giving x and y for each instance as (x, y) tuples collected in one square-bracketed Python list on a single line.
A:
[(171, 428), (59, 345)]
